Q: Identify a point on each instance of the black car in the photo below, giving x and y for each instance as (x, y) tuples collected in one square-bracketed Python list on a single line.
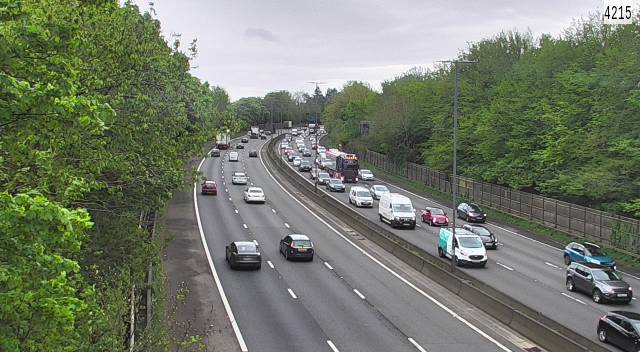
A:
[(305, 165), (263, 136), (621, 329), (601, 282), (296, 246), (335, 185), (471, 212), (214, 152), (244, 140), (306, 152), (488, 238), (253, 154), (241, 254), (292, 156), (239, 146)]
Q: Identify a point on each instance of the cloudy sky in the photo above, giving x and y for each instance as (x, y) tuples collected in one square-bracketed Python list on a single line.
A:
[(251, 47)]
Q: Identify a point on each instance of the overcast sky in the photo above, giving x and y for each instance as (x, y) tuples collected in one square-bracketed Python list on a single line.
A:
[(252, 47)]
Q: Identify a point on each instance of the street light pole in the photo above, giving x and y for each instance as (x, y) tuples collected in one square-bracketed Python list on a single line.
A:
[(316, 158)]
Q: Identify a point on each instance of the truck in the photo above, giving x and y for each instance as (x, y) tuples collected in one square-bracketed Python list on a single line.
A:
[(255, 132), (287, 124), (222, 141), (345, 167), (312, 128)]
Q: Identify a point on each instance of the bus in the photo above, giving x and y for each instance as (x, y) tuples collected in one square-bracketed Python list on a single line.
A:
[(346, 165)]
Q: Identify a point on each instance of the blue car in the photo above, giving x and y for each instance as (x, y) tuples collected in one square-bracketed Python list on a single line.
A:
[(587, 253)]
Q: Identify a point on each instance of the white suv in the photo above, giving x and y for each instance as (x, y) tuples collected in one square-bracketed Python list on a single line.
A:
[(360, 196), (233, 156)]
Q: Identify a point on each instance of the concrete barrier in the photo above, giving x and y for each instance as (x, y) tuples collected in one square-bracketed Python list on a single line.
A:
[(541, 329)]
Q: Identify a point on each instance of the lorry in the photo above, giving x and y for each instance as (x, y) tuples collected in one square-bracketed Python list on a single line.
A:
[(255, 132), (345, 166), (222, 141), (397, 210), (464, 248), (312, 128)]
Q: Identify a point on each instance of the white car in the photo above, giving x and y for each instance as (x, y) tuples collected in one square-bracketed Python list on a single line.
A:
[(233, 156), (239, 178), (360, 196), (365, 175), (254, 194), (378, 190), (284, 145), (321, 149), (297, 160)]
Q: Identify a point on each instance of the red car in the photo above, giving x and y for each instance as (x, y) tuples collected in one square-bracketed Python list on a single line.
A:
[(435, 216), (209, 187)]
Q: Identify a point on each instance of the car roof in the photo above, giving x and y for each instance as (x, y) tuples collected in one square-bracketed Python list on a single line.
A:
[(594, 265), (431, 208), (363, 170), (239, 173), (297, 236), (589, 244), (476, 226), (379, 186), (244, 243), (398, 196), (209, 182), (359, 188), (626, 314), (461, 232), (255, 189)]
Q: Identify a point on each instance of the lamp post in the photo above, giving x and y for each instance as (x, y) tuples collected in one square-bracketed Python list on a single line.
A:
[(454, 176), (315, 161)]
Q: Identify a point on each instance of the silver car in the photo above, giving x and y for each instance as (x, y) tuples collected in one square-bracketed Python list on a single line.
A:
[(378, 190)]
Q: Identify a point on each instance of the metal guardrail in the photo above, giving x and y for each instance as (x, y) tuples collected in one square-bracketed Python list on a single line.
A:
[(536, 326)]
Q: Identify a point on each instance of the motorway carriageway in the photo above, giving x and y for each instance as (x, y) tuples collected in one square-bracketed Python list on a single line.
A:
[(345, 300), (526, 269)]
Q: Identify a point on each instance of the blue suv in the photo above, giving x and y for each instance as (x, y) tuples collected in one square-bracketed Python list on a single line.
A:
[(587, 253)]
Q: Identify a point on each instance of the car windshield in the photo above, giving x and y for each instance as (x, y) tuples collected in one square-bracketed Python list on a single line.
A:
[(305, 162), (605, 275), (323, 175), (257, 191), (302, 244), (482, 231), (246, 248), (437, 211), (363, 194), (403, 208), (470, 242), (336, 181), (365, 171), (474, 208), (595, 251), (380, 188)]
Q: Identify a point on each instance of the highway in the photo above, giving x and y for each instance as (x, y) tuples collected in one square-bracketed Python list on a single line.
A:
[(526, 269), (344, 300)]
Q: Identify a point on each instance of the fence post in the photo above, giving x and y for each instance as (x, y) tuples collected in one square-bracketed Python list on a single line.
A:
[(555, 221)]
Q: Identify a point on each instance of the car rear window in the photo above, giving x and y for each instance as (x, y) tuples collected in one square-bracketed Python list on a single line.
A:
[(246, 248), (255, 191), (302, 244)]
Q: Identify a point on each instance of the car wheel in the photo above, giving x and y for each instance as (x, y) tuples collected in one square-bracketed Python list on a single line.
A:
[(455, 260), (259, 266), (466, 218), (311, 259), (380, 215), (286, 255), (602, 335), (597, 296), (431, 222), (570, 285), (440, 253), (567, 260), (483, 265)]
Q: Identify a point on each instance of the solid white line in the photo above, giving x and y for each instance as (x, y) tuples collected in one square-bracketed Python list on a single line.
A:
[(286, 225), (358, 293), (573, 298), (255, 242), (552, 265), (270, 264), (292, 294), (328, 266), (416, 345), (504, 266), (245, 226), (333, 347), (223, 296), (398, 276), (236, 210)]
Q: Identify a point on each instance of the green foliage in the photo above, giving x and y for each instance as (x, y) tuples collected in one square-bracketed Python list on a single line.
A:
[(345, 112)]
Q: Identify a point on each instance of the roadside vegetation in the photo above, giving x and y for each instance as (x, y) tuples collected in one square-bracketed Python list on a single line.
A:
[(554, 116), (98, 115)]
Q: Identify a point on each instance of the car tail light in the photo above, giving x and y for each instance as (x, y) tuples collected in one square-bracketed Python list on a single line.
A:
[(603, 318)]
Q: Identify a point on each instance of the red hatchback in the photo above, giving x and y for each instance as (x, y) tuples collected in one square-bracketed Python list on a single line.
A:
[(435, 216), (209, 187)]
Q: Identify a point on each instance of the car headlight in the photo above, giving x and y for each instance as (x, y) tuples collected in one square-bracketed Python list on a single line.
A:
[(463, 253), (396, 218)]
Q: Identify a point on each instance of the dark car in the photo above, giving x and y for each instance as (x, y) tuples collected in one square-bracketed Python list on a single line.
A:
[(263, 136), (323, 178), (306, 152), (214, 152), (209, 187), (602, 283), (305, 165), (243, 254), (435, 216), (244, 140), (253, 154), (239, 146), (621, 329), (268, 133), (335, 185), (471, 212), (587, 253), (291, 156), (296, 246), (488, 238)]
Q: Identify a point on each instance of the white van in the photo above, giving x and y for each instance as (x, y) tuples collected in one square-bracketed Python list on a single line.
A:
[(233, 156), (469, 248), (397, 210)]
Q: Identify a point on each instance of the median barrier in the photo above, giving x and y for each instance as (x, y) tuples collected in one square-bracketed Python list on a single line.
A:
[(541, 329)]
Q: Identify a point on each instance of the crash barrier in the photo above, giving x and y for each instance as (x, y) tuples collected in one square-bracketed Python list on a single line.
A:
[(541, 329)]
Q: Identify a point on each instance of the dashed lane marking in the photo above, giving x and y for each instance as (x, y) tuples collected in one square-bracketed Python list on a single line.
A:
[(293, 295), (572, 298), (358, 293), (270, 264), (504, 266), (328, 266), (552, 265), (416, 345)]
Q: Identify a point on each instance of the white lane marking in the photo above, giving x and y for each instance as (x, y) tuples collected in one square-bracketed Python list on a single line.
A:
[(252, 183), (226, 190), (236, 210), (224, 183), (270, 264), (333, 347), (504, 266), (292, 294), (552, 265), (573, 298), (245, 226), (229, 198), (633, 298), (358, 293), (223, 296), (389, 270), (256, 243), (273, 210), (418, 225), (416, 345), (328, 266), (286, 225)]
